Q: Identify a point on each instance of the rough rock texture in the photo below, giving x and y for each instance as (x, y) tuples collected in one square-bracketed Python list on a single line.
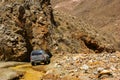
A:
[(26, 25), (84, 67), (23, 27)]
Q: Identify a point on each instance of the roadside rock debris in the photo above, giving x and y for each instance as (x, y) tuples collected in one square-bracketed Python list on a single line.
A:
[(84, 67), (104, 73)]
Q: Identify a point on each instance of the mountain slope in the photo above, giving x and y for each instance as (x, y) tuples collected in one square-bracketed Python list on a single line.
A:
[(102, 14), (32, 25)]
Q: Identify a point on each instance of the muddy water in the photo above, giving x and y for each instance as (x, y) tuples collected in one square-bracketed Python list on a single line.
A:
[(29, 72)]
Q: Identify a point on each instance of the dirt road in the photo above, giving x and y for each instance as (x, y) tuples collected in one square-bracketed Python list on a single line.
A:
[(29, 72), (19, 70), (9, 74), (102, 66)]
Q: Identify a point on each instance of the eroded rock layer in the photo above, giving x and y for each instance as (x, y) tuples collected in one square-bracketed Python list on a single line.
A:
[(27, 25), (23, 27)]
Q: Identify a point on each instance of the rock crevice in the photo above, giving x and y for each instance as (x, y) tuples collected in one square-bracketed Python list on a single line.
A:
[(24, 26)]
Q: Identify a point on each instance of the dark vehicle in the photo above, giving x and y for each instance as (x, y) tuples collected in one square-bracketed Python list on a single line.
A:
[(39, 56)]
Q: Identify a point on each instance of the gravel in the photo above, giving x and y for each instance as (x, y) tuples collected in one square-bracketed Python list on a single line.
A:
[(86, 66)]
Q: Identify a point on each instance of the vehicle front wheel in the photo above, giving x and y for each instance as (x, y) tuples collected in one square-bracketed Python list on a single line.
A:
[(47, 62)]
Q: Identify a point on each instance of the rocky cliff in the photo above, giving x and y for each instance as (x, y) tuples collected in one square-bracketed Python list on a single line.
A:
[(24, 25), (27, 25)]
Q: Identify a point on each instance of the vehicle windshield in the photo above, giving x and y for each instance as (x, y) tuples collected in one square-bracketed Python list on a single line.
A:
[(33, 54)]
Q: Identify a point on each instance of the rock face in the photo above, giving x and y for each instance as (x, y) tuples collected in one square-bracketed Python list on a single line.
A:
[(27, 25), (24, 26)]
